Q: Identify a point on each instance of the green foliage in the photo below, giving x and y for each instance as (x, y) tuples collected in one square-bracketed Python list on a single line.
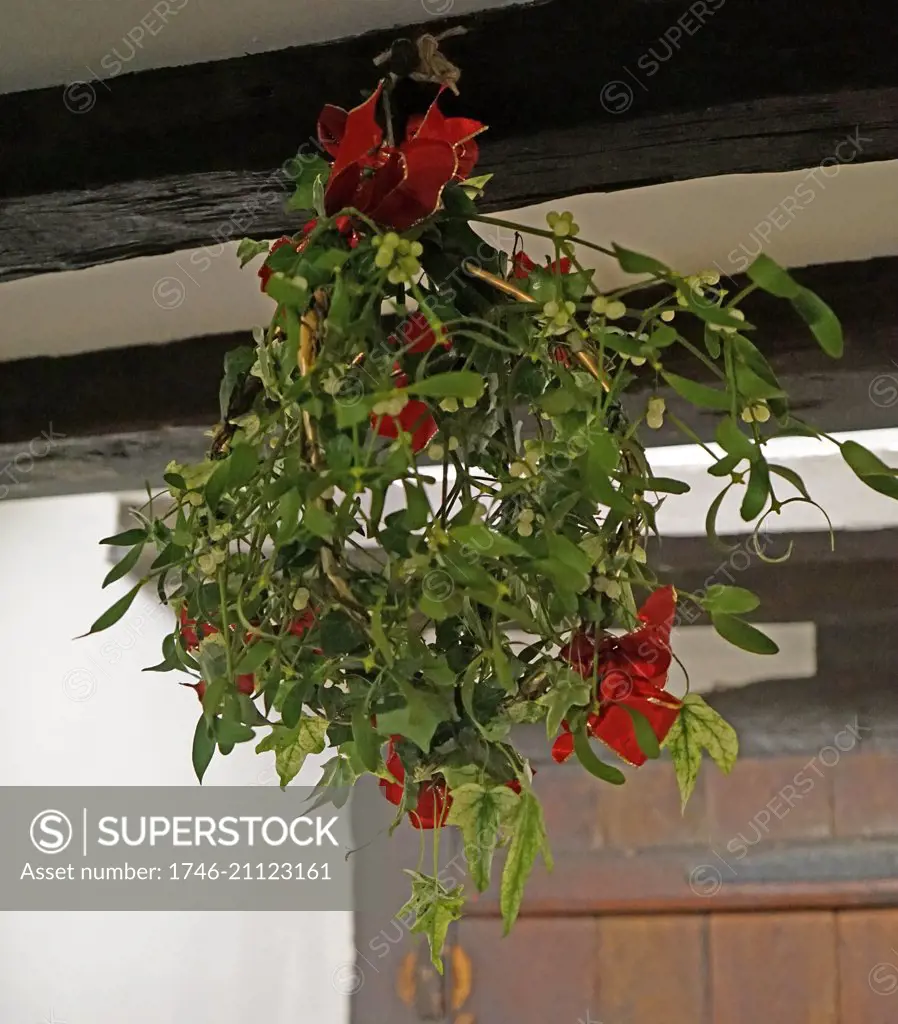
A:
[(373, 525), (698, 728)]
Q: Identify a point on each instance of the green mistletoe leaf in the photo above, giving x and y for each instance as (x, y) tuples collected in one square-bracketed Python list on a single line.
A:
[(114, 612), (732, 600), (768, 275), (125, 565), (485, 542), (203, 747), (870, 469), (733, 441), (742, 634), (292, 746), (126, 539), (645, 734), (757, 491), (698, 394), (237, 363), (528, 839), (254, 658), (462, 384), (638, 263), (593, 763), (479, 811), (699, 727)]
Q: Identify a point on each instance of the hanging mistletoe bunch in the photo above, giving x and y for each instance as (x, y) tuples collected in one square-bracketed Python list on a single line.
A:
[(423, 517)]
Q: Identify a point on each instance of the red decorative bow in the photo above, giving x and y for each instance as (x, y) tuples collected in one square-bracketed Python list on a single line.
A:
[(629, 671), (396, 186)]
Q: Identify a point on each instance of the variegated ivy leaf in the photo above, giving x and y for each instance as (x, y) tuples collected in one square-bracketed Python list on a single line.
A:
[(699, 727), (292, 746), (479, 812), (528, 839), (434, 908), (568, 689)]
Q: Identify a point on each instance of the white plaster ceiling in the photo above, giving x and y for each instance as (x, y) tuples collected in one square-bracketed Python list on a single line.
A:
[(691, 224), (55, 42)]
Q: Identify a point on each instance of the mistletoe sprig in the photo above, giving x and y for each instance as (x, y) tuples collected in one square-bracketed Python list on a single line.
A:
[(422, 459)]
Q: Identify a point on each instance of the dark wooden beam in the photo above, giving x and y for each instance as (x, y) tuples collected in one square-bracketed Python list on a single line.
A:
[(579, 97), (125, 412)]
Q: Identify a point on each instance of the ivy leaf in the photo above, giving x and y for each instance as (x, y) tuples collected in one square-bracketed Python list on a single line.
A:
[(698, 394), (337, 776), (114, 612), (528, 839), (434, 908), (292, 746), (311, 168), (249, 249), (568, 689), (699, 727), (203, 747), (742, 634), (419, 719), (478, 811)]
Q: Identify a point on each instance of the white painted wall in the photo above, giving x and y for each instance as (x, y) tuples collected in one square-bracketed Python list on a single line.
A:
[(849, 214), (82, 713)]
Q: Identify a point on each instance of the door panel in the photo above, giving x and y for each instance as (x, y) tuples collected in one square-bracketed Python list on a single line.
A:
[(773, 968)]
